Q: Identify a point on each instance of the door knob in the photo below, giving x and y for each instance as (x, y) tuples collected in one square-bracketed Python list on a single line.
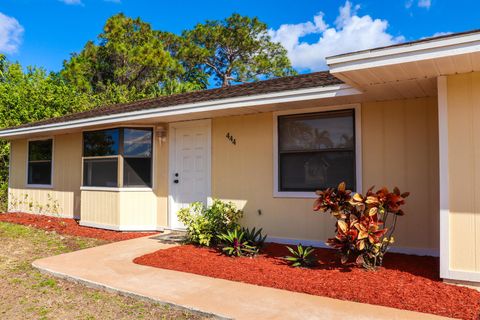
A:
[(175, 181)]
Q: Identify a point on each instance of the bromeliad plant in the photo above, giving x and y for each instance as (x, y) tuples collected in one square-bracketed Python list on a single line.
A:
[(233, 244), (365, 224), (254, 237), (302, 257)]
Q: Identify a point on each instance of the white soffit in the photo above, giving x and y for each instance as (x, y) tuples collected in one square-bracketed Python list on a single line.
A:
[(409, 62)]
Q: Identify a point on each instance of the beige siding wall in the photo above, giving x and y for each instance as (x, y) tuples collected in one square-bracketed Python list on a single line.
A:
[(65, 194), (138, 210), (100, 208), (463, 103), (399, 147), (161, 181), (119, 210)]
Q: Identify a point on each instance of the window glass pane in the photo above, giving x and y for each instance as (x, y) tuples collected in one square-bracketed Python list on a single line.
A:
[(100, 143), (316, 131), (137, 172), (100, 172), (40, 150), (137, 142), (40, 172), (310, 171)]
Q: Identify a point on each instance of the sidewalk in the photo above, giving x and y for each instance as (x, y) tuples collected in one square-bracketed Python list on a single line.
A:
[(111, 267)]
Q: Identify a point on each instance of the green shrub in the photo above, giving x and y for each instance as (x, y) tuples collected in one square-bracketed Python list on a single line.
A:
[(205, 223), (301, 257)]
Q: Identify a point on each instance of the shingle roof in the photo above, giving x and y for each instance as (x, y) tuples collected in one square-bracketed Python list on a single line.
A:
[(303, 81)]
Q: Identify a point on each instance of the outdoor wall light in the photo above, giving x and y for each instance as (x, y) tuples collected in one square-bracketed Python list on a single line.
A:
[(161, 132)]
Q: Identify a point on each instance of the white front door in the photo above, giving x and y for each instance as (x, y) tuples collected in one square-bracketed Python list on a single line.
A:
[(190, 155)]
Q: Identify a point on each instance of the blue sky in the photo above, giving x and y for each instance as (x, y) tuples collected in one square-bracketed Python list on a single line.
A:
[(45, 32)]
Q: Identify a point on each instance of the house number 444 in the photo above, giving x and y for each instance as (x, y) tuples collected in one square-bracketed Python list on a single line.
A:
[(231, 138)]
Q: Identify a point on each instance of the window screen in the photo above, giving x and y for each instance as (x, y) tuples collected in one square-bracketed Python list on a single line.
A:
[(316, 150), (105, 149), (137, 154), (40, 162)]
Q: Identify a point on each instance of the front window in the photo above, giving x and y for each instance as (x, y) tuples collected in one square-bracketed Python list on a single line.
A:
[(40, 162), (316, 150), (120, 157)]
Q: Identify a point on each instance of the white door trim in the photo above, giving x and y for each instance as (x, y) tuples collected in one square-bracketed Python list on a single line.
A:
[(171, 158)]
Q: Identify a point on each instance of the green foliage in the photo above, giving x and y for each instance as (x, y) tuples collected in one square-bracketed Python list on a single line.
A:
[(130, 62), (301, 257), (30, 95), (254, 237), (234, 244), (205, 223), (235, 50)]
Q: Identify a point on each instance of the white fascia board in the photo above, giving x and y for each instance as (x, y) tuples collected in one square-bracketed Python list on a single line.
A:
[(404, 54), (221, 104)]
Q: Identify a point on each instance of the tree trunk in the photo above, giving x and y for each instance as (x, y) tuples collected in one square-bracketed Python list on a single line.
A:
[(225, 82)]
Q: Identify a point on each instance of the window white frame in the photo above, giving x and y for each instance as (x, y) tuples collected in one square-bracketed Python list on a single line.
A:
[(124, 189), (358, 148), (43, 186)]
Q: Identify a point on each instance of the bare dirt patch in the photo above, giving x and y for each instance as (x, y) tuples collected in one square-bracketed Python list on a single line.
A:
[(25, 293), (404, 282), (68, 226)]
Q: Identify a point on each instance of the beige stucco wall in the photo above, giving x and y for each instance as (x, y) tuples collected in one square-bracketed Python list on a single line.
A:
[(65, 194), (399, 148), (463, 105)]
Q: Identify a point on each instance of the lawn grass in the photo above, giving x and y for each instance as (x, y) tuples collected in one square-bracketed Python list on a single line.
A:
[(26, 293)]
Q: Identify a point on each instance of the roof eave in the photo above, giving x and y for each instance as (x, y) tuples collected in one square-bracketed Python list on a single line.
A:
[(409, 52), (231, 103)]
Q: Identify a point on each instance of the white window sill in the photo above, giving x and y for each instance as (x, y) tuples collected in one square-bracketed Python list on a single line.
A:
[(39, 186), (114, 189), (295, 194), (299, 194)]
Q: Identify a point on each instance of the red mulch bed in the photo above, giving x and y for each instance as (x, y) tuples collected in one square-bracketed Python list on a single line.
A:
[(69, 227), (404, 282)]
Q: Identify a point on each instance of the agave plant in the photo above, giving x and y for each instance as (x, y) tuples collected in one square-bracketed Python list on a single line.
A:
[(233, 244), (254, 237), (301, 257)]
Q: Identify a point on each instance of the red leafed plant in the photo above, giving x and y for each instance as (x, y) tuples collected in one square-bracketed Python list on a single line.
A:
[(365, 224)]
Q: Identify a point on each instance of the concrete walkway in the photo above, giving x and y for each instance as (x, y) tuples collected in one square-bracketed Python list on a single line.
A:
[(111, 267)]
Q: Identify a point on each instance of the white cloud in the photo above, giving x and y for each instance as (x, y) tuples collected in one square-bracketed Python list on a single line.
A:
[(420, 3), (11, 32), (438, 34), (350, 33), (72, 2), (425, 4)]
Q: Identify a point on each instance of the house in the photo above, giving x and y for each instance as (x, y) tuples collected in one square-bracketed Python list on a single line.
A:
[(406, 115)]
